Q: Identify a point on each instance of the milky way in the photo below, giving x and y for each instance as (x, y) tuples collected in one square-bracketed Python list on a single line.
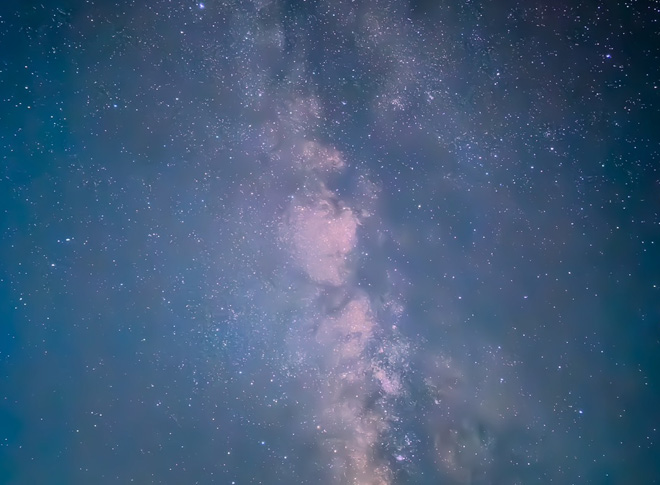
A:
[(320, 233), (322, 239)]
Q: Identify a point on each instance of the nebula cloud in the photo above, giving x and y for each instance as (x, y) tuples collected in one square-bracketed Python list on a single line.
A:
[(320, 233), (321, 237)]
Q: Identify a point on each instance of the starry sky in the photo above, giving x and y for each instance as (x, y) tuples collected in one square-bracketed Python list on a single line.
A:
[(329, 242)]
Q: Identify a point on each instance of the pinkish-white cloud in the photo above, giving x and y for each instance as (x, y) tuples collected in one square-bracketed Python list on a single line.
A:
[(320, 233), (321, 236)]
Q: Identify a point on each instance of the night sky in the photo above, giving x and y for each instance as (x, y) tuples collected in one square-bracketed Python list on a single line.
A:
[(342, 242)]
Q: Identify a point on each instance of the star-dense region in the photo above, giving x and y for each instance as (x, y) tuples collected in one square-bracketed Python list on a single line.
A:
[(345, 242)]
